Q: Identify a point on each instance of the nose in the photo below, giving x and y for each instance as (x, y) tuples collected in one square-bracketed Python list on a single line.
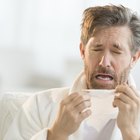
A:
[(105, 61)]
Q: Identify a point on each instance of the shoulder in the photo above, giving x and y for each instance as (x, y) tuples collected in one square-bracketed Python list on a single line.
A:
[(45, 104), (53, 95), (48, 96)]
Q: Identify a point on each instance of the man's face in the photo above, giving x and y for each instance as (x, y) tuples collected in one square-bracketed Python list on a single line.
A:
[(106, 57)]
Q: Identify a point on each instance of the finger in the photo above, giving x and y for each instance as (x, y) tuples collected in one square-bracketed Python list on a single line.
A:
[(79, 99), (125, 107), (126, 90), (124, 98), (69, 98), (84, 115), (82, 106), (120, 104), (79, 103)]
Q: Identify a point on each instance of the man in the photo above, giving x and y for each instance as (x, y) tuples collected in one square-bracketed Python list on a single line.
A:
[(110, 44)]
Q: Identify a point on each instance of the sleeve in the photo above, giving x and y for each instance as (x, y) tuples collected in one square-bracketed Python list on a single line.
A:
[(28, 124)]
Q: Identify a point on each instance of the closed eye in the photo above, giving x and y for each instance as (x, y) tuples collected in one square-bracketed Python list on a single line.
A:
[(97, 49), (117, 52)]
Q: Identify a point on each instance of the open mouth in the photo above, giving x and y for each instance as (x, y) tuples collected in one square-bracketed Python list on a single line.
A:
[(105, 77)]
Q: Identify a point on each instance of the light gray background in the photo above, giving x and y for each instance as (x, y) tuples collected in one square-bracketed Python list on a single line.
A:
[(39, 42)]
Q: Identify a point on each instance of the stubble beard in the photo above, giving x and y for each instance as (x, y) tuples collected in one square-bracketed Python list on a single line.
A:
[(117, 78), (91, 79)]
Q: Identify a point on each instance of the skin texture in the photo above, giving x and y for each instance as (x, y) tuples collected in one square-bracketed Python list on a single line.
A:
[(105, 53), (106, 57)]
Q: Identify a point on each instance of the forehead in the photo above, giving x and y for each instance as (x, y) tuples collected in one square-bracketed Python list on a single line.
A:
[(120, 35)]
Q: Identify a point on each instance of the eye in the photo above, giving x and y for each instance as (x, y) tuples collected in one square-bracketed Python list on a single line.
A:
[(117, 52), (96, 50)]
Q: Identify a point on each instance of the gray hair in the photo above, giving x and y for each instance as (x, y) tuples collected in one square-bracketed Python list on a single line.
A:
[(108, 16)]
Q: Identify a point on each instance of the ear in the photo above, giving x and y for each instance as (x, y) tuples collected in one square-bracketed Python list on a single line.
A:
[(135, 58), (82, 50)]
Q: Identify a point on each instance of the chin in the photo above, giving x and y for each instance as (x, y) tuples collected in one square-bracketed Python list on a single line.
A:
[(107, 86)]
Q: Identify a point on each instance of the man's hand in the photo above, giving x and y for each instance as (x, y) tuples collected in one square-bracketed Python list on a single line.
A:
[(128, 120), (73, 110)]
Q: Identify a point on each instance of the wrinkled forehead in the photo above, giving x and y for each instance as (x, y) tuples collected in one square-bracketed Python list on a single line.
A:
[(116, 34), (111, 29)]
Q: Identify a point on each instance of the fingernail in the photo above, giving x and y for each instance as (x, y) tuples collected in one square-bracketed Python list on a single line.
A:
[(117, 95)]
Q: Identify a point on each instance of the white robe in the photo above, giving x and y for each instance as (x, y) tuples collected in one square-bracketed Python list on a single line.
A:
[(39, 113)]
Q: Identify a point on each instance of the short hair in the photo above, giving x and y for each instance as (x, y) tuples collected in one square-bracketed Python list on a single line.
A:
[(108, 16)]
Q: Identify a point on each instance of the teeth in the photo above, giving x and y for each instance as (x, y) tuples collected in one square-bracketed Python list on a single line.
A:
[(104, 78)]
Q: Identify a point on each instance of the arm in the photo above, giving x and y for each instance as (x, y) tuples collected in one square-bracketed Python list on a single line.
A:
[(130, 134), (53, 135)]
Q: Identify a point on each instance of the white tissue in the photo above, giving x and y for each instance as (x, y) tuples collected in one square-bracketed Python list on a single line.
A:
[(100, 93), (102, 108)]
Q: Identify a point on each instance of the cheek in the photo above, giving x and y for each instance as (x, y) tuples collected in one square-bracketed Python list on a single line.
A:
[(91, 62), (117, 68), (121, 65)]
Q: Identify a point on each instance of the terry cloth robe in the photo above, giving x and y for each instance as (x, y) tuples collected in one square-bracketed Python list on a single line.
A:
[(39, 112)]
